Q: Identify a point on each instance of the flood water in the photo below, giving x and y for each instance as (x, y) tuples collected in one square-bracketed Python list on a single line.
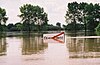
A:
[(32, 50)]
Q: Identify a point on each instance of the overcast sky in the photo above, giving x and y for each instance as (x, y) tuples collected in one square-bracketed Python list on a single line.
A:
[(55, 9)]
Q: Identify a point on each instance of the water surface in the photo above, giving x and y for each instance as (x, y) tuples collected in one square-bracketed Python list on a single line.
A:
[(31, 50)]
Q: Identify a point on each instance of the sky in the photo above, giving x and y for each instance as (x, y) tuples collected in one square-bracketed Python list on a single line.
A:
[(56, 9)]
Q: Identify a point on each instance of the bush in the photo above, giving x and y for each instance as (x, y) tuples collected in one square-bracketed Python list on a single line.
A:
[(98, 29)]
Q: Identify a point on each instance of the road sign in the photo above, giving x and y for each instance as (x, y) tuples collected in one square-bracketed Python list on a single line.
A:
[(54, 38)]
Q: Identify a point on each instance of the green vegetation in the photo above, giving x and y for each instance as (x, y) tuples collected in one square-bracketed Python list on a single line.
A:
[(3, 19), (71, 26), (79, 16), (25, 27), (33, 16), (98, 29), (83, 14)]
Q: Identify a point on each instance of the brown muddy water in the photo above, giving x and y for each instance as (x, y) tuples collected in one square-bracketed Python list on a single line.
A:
[(33, 50)]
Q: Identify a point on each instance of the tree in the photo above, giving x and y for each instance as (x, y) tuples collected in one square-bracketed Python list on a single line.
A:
[(11, 27), (93, 16), (3, 18), (33, 14), (72, 14), (83, 13), (58, 24), (19, 26), (70, 26), (98, 29)]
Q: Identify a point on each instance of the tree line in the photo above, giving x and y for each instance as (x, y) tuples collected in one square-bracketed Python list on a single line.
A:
[(79, 16), (33, 18), (83, 16)]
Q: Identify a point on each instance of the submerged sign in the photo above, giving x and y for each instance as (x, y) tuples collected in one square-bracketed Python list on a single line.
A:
[(54, 38)]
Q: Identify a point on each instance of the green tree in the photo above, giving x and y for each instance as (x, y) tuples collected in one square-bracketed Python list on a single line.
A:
[(93, 16), (70, 27), (19, 26), (58, 24), (3, 18), (72, 14), (10, 27), (98, 29), (33, 14), (83, 13)]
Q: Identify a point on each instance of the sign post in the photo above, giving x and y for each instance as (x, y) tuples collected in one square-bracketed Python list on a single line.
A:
[(54, 38)]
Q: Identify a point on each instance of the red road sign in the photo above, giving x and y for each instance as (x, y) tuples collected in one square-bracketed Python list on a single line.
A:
[(54, 38)]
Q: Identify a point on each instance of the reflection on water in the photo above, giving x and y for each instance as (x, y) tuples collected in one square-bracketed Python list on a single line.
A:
[(84, 47), (31, 50), (2, 46), (33, 45)]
